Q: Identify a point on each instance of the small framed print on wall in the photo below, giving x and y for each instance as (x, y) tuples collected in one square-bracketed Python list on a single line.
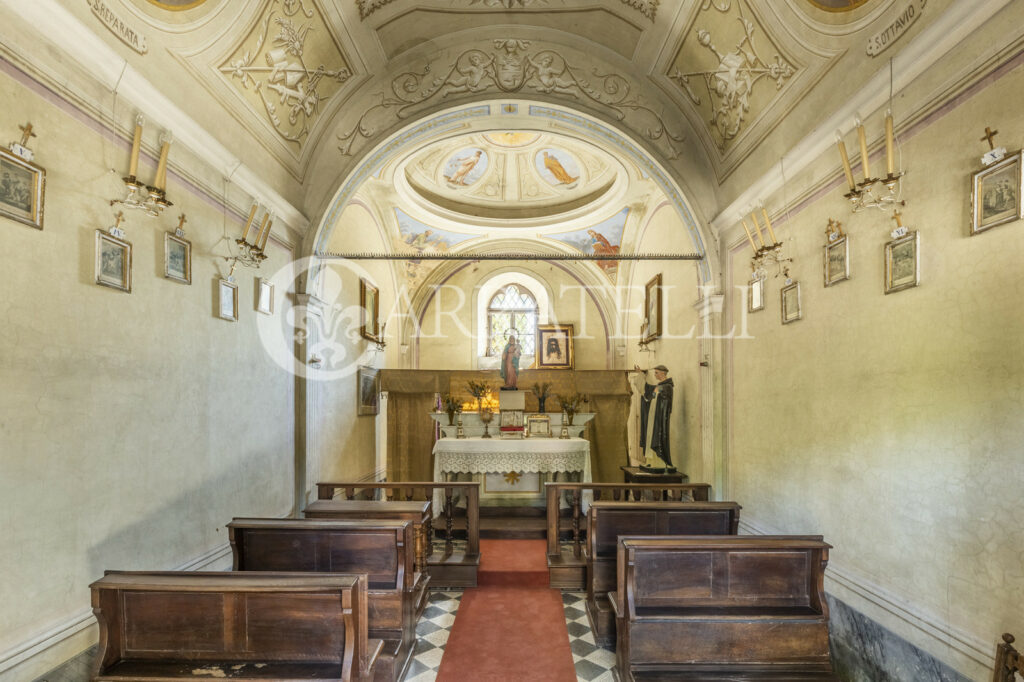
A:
[(369, 301), (22, 186), (755, 295), (369, 391), (902, 263), (177, 258), (227, 300), (790, 295), (113, 262), (264, 296), (996, 194), (837, 261), (652, 324)]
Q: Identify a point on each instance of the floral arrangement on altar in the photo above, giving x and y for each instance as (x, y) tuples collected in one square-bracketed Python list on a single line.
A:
[(481, 391), (572, 404), (543, 392), (451, 406)]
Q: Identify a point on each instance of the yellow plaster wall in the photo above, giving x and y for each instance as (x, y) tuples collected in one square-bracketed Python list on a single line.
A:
[(133, 427), (892, 424)]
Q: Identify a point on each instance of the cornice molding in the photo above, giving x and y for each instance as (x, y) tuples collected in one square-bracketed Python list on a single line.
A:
[(80, 44), (933, 43)]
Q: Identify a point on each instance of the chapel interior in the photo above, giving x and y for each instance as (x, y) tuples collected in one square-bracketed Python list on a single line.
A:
[(754, 261)]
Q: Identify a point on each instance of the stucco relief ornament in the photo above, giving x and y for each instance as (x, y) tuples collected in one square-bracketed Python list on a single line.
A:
[(732, 83), (510, 68), (292, 86)]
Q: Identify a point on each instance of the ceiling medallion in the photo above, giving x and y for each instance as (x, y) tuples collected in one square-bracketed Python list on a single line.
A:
[(277, 77)]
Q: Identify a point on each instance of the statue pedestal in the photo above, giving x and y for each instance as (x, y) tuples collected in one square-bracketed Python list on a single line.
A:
[(511, 400)]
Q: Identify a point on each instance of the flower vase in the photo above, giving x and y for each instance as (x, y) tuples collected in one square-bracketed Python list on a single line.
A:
[(540, 404), (451, 417)]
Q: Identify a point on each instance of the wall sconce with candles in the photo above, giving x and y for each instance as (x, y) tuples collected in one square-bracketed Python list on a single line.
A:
[(251, 254), (766, 254), (152, 199), (862, 194)]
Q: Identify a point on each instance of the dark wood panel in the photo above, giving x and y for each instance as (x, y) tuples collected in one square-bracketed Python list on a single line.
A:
[(296, 627), (160, 622)]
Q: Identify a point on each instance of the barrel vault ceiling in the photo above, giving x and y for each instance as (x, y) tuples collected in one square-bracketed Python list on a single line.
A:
[(308, 85)]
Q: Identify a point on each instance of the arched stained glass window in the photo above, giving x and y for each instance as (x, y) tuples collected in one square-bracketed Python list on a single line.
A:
[(512, 308)]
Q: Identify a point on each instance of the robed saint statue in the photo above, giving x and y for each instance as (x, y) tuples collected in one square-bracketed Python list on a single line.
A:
[(655, 410), (510, 363)]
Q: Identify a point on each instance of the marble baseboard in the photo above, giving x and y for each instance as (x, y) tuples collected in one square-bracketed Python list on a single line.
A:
[(76, 669), (864, 651)]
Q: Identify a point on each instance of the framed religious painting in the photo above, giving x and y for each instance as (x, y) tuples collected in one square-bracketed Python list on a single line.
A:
[(22, 186), (113, 262), (177, 258), (369, 302), (554, 346), (264, 296), (902, 263), (791, 311), (651, 327), (837, 261), (538, 426), (227, 300), (755, 295), (368, 391), (996, 194)]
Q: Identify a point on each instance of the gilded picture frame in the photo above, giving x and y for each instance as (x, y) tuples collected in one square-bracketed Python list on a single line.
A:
[(792, 308), (369, 303), (903, 263), (113, 262), (538, 426), (555, 346), (22, 189), (177, 258), (367, 391), (227, 300), (651, 328), (264, 296), (755, 295), (996, 193), (837, 261)]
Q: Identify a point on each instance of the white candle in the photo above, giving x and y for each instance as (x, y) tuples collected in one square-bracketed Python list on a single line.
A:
[(865, 165), (749, 236), (133, 168), (768, 222), (248, 223), (846, 162), (161, 167), (757, 227), (890, 157)]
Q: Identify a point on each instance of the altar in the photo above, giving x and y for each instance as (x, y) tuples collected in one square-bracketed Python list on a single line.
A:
[(512, 471)]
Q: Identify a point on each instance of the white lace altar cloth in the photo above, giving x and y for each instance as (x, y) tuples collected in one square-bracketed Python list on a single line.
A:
[(493, 455)]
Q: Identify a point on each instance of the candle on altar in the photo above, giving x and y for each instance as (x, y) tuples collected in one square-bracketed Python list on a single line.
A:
[(865, 164), (133, 168), (757, 228), (771, 232), (749, 236), (890, 156), (846, 162)]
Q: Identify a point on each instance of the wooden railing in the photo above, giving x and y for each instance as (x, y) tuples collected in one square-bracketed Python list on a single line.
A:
[(409, 491), (640, 492)]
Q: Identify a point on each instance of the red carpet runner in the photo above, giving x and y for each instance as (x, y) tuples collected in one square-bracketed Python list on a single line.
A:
[(512, 627)]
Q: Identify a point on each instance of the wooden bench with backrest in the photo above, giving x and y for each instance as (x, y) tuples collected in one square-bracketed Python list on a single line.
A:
[(243, 626), (1009, 662), (607, 521), (722, 607), (383, 550)]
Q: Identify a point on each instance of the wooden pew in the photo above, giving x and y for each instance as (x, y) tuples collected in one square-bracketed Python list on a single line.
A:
[(725, 607), (416, 512), (457, 564), (383, 550), (270, 626), (1009, 662), (607, 521), (566, 566)]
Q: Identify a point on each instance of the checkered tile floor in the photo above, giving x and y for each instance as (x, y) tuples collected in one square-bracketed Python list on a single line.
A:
[(593, 663), (432, 635)]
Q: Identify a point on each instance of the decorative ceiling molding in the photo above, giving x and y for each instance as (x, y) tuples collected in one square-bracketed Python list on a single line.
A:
[(270, 68), (928, 47), (738, 83), (368, 7), (81, 45), (509, 66), (648, 8)]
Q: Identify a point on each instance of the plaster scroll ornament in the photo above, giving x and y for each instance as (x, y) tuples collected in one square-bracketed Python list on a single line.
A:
[(508, 4), (368, 7), (731, 83), (510, 67), (280, 75), (648, 8)]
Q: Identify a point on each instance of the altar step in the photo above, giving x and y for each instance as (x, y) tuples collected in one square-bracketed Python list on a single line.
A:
[(513, 523)]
